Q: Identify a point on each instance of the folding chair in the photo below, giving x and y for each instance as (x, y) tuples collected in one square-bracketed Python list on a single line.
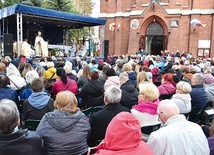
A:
[(165, 96), (87, 111), (207, 113), (31, 124), (94, 101)]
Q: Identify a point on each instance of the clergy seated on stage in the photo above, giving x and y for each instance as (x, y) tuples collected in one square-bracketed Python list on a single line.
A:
[(27, 50), (12, 139)]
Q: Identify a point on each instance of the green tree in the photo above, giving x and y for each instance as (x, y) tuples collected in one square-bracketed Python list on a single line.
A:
[(26, 2), (10, 2), (37, 3), (84, 7), (60, 5)]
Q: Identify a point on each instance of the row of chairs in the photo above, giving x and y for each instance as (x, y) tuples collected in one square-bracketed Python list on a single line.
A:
[(91, 110), (31, 124)]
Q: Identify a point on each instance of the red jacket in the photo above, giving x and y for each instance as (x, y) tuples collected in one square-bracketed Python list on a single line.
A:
[(60, 86), (123, 136)]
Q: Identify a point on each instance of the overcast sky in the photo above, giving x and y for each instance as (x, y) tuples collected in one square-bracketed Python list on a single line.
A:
[(96, 10)]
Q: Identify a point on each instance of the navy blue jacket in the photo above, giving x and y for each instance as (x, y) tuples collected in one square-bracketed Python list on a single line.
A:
[(8, 93), (199, 100)]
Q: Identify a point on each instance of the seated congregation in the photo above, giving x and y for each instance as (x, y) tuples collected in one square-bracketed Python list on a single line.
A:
[(124, 106)]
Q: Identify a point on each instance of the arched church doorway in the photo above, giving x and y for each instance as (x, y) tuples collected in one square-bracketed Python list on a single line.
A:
[(154, 40)]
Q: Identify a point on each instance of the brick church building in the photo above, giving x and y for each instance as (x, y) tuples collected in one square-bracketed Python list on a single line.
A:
[(184, 25)]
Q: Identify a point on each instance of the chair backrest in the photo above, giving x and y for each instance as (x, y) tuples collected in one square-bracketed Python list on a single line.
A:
[(129, 106), (207, 113), (91, 110), (165, 96), (157, 83), (31, 124), (87, 111), (149, 129), (97, 108), (92, 102)]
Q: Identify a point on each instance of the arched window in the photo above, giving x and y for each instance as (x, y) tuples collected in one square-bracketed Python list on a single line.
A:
[(154, 29)]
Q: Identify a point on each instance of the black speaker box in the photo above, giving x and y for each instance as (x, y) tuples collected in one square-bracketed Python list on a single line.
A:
[(8, 45), (106, 48)]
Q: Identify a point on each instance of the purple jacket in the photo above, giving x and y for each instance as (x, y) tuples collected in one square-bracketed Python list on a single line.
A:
[(166, 88), (211, 144)]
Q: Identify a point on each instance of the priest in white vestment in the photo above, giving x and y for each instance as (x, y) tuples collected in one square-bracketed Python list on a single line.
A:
[(38, 44)]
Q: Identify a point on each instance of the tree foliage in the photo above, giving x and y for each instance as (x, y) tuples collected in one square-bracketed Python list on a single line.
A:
[(9, 2), (60, 5), (6, 3)]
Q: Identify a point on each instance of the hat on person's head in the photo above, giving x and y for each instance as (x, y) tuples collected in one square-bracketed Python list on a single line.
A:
[(146, 63), (100, 61)]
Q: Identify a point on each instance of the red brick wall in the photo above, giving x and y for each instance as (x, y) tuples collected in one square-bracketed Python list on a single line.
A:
[(183, 38)]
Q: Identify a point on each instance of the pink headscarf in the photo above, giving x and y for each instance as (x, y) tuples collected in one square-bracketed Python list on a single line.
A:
[(147, 107)]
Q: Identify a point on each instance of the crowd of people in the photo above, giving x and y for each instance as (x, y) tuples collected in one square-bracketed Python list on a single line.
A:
[(148, 105)]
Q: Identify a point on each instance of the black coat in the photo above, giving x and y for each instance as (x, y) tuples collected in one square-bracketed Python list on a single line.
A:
[(100, 120), (21, 142), (129, 94), (93, 88), (29, 112)]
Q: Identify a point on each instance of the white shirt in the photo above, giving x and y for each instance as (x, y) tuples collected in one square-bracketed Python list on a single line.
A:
[(145, 119), (179, 137)]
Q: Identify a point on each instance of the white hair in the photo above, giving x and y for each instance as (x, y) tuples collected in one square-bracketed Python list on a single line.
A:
[(68, 67), (30, 76), (168, 108), (113, 94), (185, 87)]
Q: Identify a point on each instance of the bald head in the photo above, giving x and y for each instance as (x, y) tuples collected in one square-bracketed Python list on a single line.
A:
[(167, 109)]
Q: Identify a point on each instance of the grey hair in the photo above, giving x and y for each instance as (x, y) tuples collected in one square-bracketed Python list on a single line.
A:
[(207, 70), (199, 77), (30, 76), (113, 94), (9, 116)]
